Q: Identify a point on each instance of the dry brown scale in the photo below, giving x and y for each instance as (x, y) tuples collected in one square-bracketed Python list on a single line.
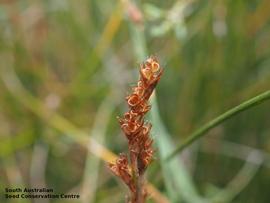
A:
[(137, 131)]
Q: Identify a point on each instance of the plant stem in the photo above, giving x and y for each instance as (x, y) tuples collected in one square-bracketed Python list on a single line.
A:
[(220, 119), (140, 188)]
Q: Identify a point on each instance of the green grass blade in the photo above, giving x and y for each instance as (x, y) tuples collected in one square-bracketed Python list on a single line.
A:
[(220, 119), (178, 181)]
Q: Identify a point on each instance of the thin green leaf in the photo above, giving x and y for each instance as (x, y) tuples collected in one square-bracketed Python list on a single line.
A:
[(220, 119), (178, 182)]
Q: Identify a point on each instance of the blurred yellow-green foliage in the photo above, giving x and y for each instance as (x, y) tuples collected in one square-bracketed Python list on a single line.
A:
[(67, 65)]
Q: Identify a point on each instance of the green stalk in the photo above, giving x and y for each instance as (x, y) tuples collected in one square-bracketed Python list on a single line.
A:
[(220, 119)]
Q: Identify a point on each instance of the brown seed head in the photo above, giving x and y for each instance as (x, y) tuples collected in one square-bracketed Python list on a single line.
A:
[(136, 130)]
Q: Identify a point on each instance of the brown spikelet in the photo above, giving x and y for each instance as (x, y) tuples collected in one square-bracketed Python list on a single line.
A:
[(137, 132)]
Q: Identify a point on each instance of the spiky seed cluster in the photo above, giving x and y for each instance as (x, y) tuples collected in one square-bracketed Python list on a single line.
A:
[(136, 130)]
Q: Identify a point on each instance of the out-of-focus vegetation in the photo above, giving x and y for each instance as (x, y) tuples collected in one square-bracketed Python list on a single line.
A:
[(66, 66)]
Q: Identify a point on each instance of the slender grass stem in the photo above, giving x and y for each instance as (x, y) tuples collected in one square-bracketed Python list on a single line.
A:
[(220, 119)]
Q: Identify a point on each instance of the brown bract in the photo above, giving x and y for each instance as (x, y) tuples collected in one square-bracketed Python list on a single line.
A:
[(137, 132)]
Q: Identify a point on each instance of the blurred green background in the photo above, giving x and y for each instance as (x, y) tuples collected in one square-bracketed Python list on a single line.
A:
[(66, 67)]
